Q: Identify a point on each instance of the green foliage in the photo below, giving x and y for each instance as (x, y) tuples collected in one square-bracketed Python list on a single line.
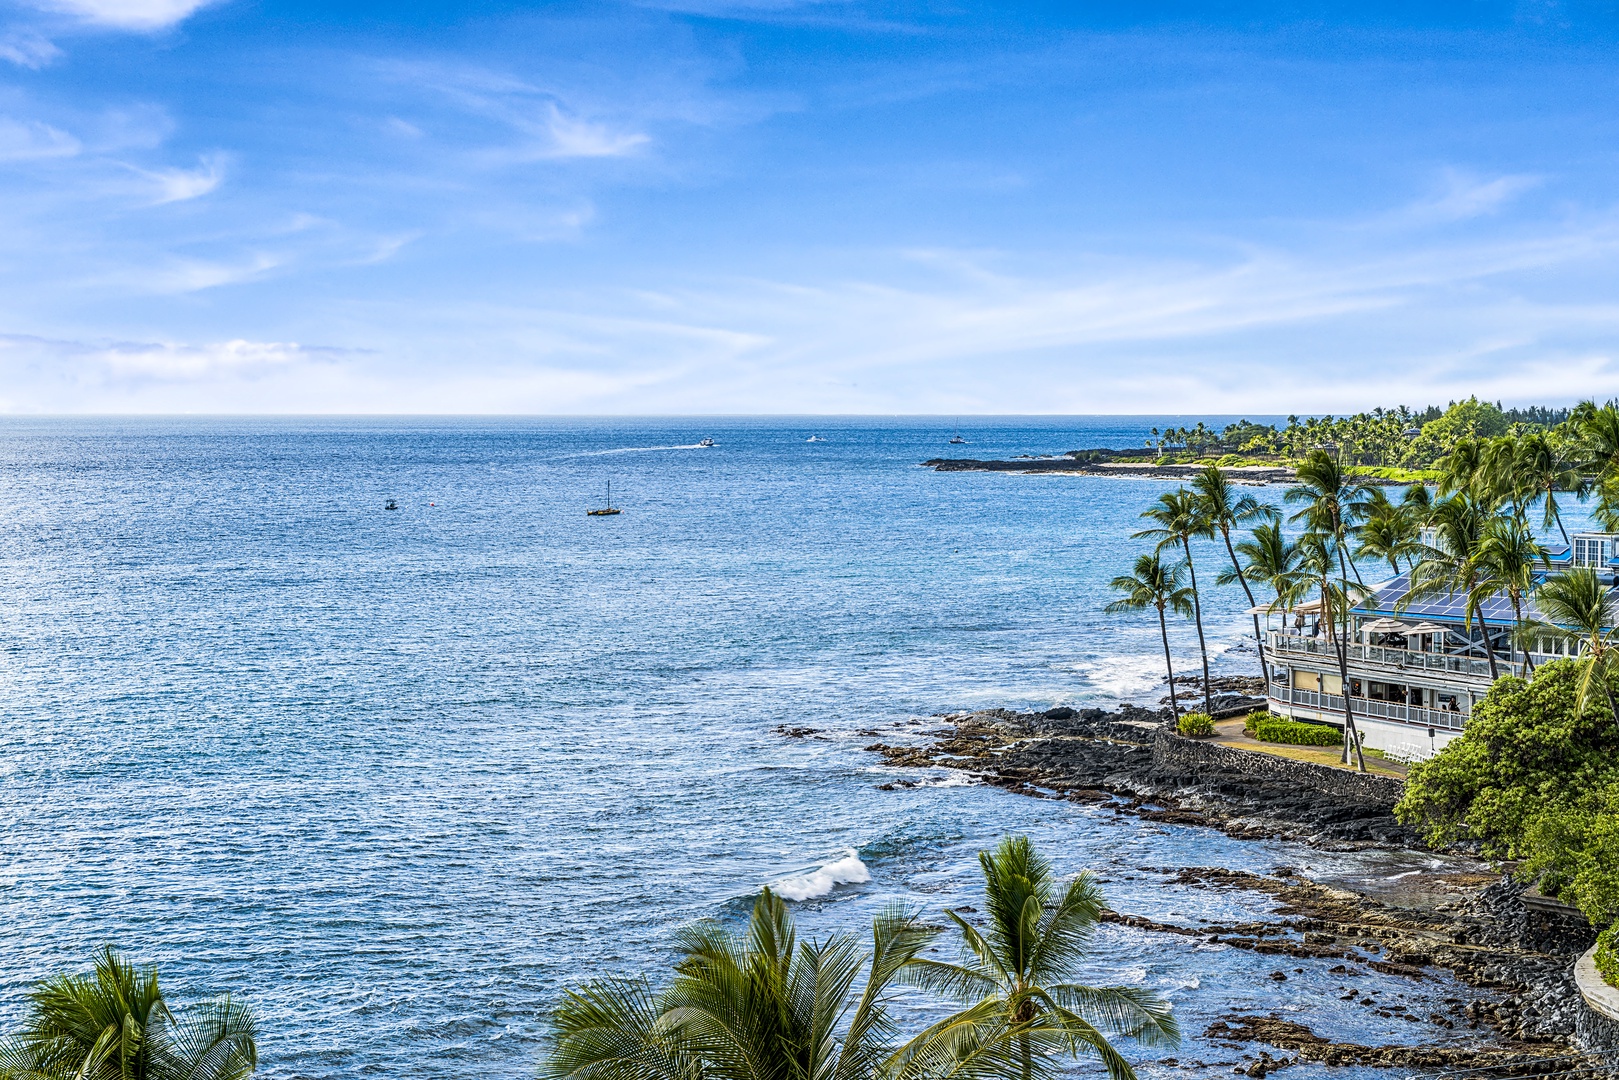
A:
[(1534, 777), (1022, 1016), (1607, 957), (1278, 729), (1470, 419), (114, 1024), (1196, 725)]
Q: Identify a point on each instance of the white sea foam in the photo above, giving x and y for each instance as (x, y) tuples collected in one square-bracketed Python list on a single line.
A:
[(848, 870), (638, 450)]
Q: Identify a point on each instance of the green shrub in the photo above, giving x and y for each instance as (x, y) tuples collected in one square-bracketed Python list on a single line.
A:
[(1196, 724), (1607, 957), (1292, 732), (1251, 722)]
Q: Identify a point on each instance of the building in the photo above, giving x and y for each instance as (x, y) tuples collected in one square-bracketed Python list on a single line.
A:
[(1415, 670)]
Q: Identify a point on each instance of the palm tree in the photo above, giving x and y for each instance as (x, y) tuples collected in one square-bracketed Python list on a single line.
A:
[(1507, 557), (1578, 608), (1271, 560), (1155, 585), (114, 1024), (1021, 1013), (1454, 568), (1543, 472), (756, 1006), (1223, 508), (1334, 503), (1460, 467), (1319, 556), (1596, 456), (1389, 532), (1180, 519)]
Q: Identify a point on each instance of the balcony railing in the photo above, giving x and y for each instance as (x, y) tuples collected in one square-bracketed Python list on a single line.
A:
[(1398, 659), (1389, 711)]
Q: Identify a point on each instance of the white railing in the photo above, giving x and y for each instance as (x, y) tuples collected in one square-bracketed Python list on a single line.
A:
[(1399, 659), (1332, 706)]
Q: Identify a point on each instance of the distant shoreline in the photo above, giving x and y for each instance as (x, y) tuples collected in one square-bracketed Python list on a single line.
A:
[(1255, 474)]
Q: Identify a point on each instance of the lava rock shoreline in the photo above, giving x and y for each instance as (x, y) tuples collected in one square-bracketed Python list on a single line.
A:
[(1486, 935)]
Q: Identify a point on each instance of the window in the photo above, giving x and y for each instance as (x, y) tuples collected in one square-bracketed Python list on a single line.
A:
[(1306, 680), (1593, 550)]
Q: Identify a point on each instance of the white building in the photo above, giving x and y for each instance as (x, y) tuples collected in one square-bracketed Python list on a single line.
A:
[(1416, 670)]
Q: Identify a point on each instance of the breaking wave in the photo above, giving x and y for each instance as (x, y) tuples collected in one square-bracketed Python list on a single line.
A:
[(848, 870)]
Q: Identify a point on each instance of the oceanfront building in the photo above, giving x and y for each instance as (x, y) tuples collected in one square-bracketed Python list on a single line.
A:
[(1415, 669)]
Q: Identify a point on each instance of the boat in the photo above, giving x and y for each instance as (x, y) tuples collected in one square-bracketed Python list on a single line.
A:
[(706, 443), (605, 510), (815, 438), (956, 439), (391, 505)]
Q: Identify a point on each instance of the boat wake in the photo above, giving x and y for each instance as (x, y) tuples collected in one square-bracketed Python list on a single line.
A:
[(848, 870), (640, 449)]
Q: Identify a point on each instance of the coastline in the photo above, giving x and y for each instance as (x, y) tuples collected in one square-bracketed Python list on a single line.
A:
[(1471, 921), (1071, 466)]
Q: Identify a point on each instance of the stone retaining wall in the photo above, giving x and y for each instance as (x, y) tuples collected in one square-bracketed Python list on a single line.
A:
[(1176, 753), (1597, 1029)]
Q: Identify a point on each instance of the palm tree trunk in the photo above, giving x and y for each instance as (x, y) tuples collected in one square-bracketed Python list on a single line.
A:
[(1197, 616), (1488, 651), (1264, 671), (1351, 734), (1517, 616), (1163, 628), (1557, 515)]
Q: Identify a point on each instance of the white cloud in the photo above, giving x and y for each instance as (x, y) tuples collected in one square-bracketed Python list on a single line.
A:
[(27, 49), (572, 137), (128, 14), (1462, 197), (30, 140), (178, 185)]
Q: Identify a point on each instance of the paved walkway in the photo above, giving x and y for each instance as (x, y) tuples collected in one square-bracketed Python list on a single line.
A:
[(1231, 734)]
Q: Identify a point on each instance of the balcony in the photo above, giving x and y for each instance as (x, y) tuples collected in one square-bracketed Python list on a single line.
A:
[(1332, 707), (1393, 660)]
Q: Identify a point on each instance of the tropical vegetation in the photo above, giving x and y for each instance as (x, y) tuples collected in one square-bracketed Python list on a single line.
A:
[(764, 1005), (1267, 727), (115, 1024)]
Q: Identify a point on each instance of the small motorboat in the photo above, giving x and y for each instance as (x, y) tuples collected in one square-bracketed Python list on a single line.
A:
[(957, 440), (815, 438), (607, 510), (706, 443), (391, 505)]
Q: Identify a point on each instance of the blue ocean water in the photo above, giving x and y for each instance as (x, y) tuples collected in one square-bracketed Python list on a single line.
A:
[(399, 777)]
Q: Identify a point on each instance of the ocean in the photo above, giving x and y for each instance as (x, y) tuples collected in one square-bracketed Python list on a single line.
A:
[(399, 777)]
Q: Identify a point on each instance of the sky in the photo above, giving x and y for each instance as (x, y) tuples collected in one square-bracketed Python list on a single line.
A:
[(775, 206)]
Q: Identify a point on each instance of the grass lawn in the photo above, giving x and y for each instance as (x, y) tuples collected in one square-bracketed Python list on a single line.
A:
[(1230, 733)]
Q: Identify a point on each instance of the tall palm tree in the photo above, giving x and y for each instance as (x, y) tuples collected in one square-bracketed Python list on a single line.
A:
[(1320, 563), (1224, 508), (1459, 468), (1508, 555), (1543, 472), (1577, 607), (1389, 532), (1022, 1014), (1152, 584), (1180, 519), (114, 1024), (755, 1006), (1333, 502), (1454, 568), (1596, 456), (1271, 560)]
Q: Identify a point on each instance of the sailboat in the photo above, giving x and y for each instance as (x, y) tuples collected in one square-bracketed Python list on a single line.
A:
[(609, 508), (956, 439)]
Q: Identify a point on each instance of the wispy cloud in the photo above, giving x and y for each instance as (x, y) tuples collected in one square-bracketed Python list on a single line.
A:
[(572, 137), (1462, 196), (127, 14), (28, 49), (31, 140), (178, 185)]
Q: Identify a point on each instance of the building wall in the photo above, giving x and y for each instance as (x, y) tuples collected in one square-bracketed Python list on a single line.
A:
[(1404, 742)]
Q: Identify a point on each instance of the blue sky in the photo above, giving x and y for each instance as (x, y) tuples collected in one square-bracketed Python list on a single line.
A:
[(776, 206)]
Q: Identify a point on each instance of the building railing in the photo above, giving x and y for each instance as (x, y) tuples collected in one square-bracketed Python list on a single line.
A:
[(1389, 711), (1399, 659)]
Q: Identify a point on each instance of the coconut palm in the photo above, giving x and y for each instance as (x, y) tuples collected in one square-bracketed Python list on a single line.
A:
[(1543, 472), (1181, 519), (1508, 555), (1453, 568), (1155, 585), (1333, 503), (755, 1006), (1578, 607), (1224, 508), (1271, 560), (1320, 564), (1021, 1013), (1389, 532), (1595, 432), (1459, 468), (114, 1024)]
